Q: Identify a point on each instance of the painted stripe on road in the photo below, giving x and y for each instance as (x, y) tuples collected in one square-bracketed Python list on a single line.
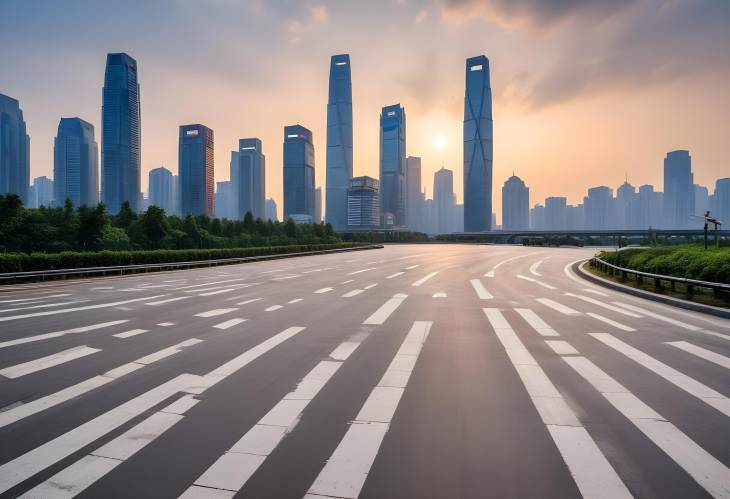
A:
[(130, 333), (218, 292), (82, 329), (559, 307), (599, 303), (323, 290), (481, 291), (229, 323), (424, 279), (612, 322), (381, 315), (539, 325), (534, 266), (47, 362), (530, 279), (168, 300), (361, 271), (246, 302), (702, 353), (76, 309), (352, 293), (391, 276), (273, 308), (216, 312), (664, 318)]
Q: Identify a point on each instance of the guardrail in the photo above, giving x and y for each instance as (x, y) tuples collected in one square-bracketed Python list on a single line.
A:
[(42, 275), (718, 289)]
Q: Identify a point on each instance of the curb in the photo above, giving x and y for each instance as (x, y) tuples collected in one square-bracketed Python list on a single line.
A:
[(668, 300)]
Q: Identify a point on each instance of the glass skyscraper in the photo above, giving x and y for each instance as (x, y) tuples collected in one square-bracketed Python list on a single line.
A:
[(162, 189), (679, 199), (248, 177), (75, 163), (477, 146), (339, 141), (363, 207), (120, 135), (393, 164), (515, 204), (414, 215), (298, 174), (14, 150), (195, 165)]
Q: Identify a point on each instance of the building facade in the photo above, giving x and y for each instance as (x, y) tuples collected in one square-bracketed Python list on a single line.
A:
[(555, 213), (515, 204), (414, 196), (393, 164), (14, 150), (162, 189), (598, 207), (678, 190), (75, 163), (298, 174), (477, 146), (339, 141), (248, 176), (445, 200), (197, 170), (270, 207), (41, 192), (363, 205)]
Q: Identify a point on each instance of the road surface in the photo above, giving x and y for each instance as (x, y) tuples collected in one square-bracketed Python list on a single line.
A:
[(413, 371)]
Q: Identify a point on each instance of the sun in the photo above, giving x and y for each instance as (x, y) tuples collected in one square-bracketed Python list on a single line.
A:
[(439, 142)]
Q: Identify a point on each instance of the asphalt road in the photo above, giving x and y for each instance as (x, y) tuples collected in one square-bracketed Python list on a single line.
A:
[(413, 371)]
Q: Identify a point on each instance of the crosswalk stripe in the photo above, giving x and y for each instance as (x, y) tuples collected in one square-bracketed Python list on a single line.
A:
[(612, 322), (381, 314), (46, 336), (481, 291), (539, 325), (707, 471), (345, 472), (702, 353), (559, 307), (47, 362)]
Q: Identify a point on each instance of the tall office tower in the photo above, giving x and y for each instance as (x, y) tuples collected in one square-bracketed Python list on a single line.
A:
[(270, 208), (537, 217), (515, 205), (574, 217), (443, 196), (649, 207), (599, 208), (413, 193), (120, 134), (196, 167), (555, 213), (477, 146), (702, 202), (393, 165), (176, 194), (317, 205), (162, 189), (298, 174), (41, 193), (678, 189), (626, 207), (363, 205), (721, 202), (75, 163), (14, 150), (248, 176), (339, 141), (225, 200)]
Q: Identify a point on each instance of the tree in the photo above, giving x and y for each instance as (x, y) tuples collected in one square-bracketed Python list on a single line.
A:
[(151, 229), (125, 217), (92, 222), (290, 228)]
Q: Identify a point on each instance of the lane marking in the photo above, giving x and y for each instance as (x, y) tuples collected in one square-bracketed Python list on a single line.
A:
[(370, 286), (381, 315), (361, 271), (559, 307), (494, 269), (347, 281), (323, 290), (168, 300), (130, 333), (539, 325), (47, 362), (534, 266), (543, 284), (295, 300), (654, 315), (593, 474), (707, 471), (45, 336), (440, 294), (42, 305), (77, 309), (612, 322), (272, 308), (412, 267), (246, 302), (166, 324), (599, 303), (481, 291), (702, 353), (209, 283), (595, 292), (561, 347), (352, 293), (678, 379), (424, 279), (37, 298), (215, 312), (391, 276), (229, 323), (220, 291), (346, 470)]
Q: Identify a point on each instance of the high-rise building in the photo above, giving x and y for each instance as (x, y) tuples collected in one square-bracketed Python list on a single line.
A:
[(270, 208), (41, 192), (75, 163), (339, 141), (477, 146), (176, 194), (650, 207), (678, 189), (414, 196), (363, 206), (574, 217), (515, 204), (197, 171), (626, 207), (225, 200), (14, 150), (702, 203), (555, 213), (298, 174), (248, 176), (443, 196), (393, 164), (162, 189), (721, 202), (599, 208), (537, 217), (120, 135), (317, 205)]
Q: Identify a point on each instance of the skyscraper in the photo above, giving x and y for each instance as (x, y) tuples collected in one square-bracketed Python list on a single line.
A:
[(599, 208), (649, 207), (162, 189), (443, 196), (120, 135), (248, 176), (317, 205), (41, 192), (196, 167), (270, 207), (363, 206), (339, 141), (298, 174), (515, 205), (14, 150), (477, 146), (225, 200), (413, 194), (721, 202), (393, 164), (678, 190), (555, 213), (75, 163)]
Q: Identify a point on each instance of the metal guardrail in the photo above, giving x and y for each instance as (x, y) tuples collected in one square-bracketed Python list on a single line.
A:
[(717, 288), (13, 277)]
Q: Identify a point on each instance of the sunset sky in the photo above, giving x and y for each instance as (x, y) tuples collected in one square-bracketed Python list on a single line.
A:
[(585, 92)]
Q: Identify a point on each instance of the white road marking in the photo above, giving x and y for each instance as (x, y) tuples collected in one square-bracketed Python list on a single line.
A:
[(218, 292), (352, 293), (381, 315), (702, 353), (47, 362), (209, 283), (370, 286), (612, 322), (561, 347), (593, 474), (412, 267), (45, 336), (664, 318), (168, 300), (323, 290), (215, 312), (246, 302), (543, 284), (703, 392), (599, 303), (361, 271), (167, 352), (37, 298), (250, 451), (481, 291), (347, 281), (229, 323), (563, 309), (494, 269), (440, 294), (76, 309), (295, 300), (166, 324), (272, 308), (595, 292), (534, 266), (424, 279), (32, 306), (130, 333), (710, 473), (391, 276), (345, 472), (285, 277), (539, 325)]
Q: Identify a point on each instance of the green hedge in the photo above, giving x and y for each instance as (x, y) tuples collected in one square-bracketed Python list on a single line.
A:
[(21, 262), (690, 261)]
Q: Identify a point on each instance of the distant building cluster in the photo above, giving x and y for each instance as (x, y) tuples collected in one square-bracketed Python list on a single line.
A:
[(396, 200)]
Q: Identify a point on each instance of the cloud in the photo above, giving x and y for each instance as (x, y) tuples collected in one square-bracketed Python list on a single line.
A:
[(422, 15), (315, 16)]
